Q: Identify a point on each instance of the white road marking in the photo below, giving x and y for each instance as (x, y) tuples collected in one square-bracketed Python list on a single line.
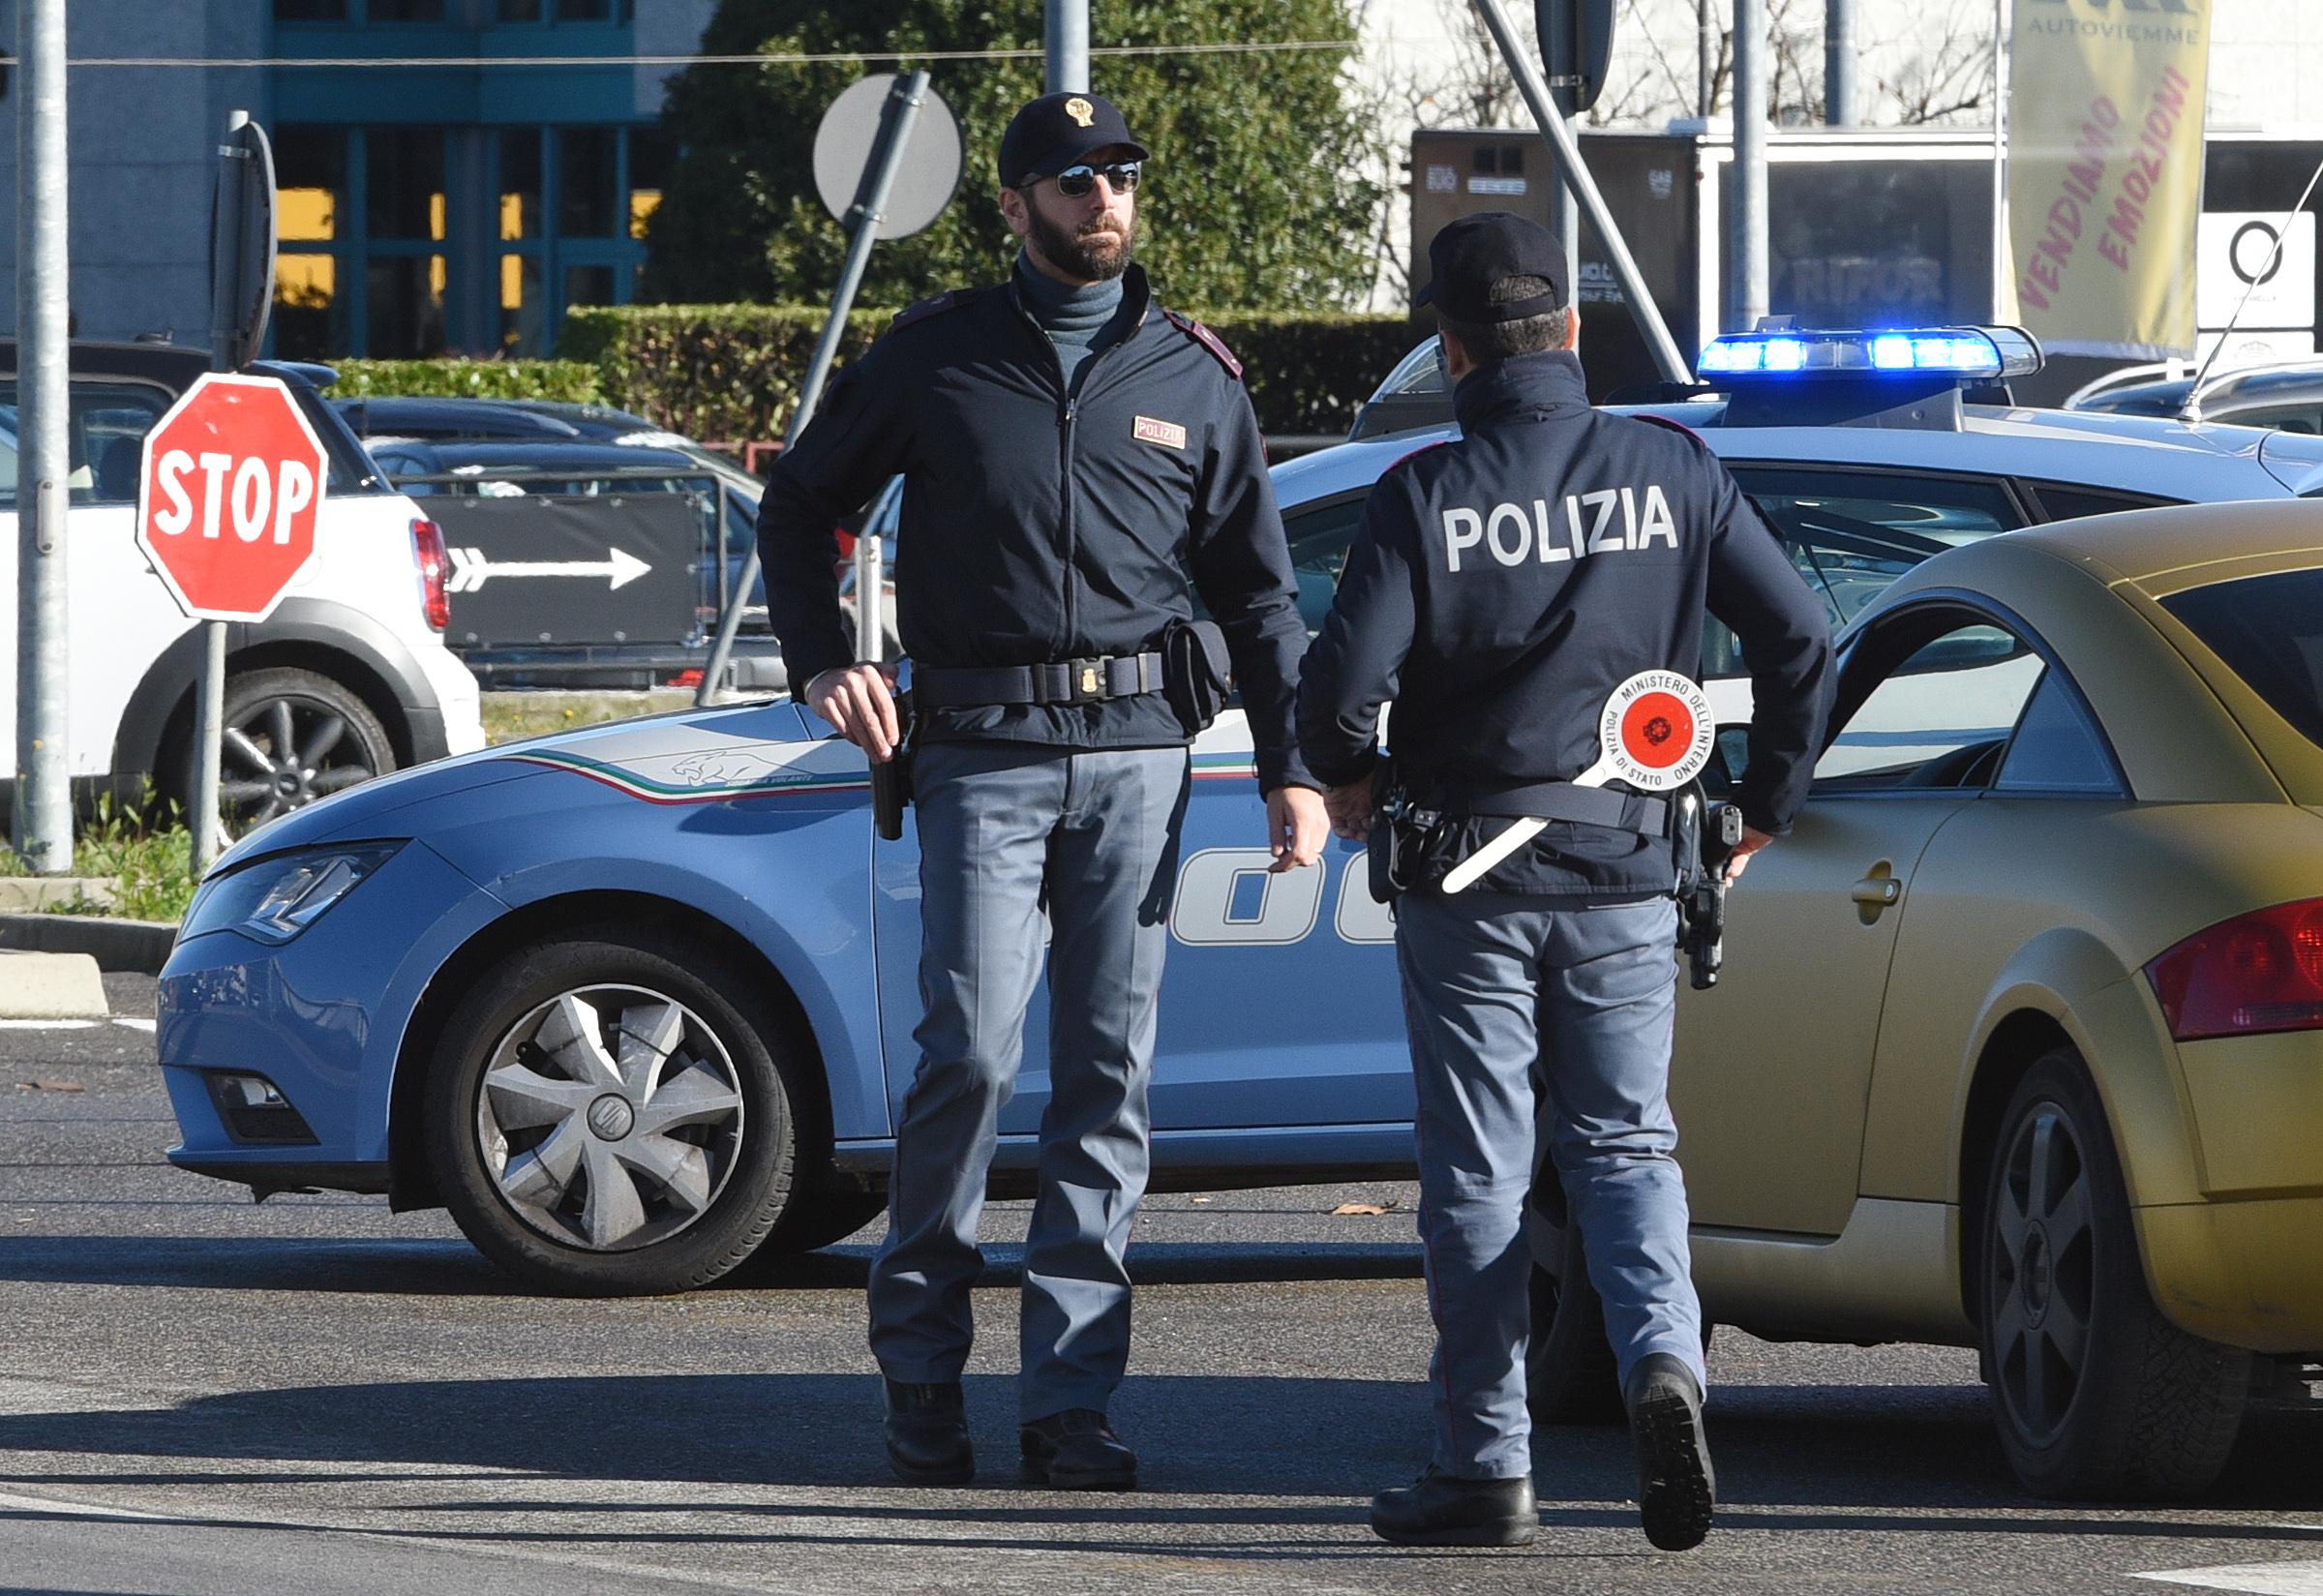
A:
[(71, 1510), (134, 1024), (47, 1025), (2257, 1579)]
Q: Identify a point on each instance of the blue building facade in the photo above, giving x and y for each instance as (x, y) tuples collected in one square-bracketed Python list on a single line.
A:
[(454, 173)]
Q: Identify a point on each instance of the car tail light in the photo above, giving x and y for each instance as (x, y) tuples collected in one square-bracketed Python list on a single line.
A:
[(426, 539), (2257, 971)]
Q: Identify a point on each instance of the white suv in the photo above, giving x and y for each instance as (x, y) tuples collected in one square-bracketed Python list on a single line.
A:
[(347, 679)]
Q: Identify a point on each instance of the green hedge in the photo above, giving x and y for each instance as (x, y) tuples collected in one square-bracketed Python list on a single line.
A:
[(563, 380), (731, 372)]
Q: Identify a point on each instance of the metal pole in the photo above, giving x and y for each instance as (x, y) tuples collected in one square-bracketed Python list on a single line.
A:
[(1673, 365), (43, 793), (1067, 43), (863, 231), (1839, 63), (1747, 238), (2003, 269), (1706, 57), (1564, 216), (205, 824)]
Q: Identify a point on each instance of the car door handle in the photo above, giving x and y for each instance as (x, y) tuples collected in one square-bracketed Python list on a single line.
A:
[(1877, 891)]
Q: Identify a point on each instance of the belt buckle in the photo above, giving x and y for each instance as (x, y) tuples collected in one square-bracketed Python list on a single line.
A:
[(1087, 681)]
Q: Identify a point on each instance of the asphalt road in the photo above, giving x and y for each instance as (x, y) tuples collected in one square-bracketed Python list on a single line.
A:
[(199, 1395)]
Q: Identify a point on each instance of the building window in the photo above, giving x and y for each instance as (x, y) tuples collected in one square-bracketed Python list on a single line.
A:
[(520, 10), (519, 183), (407, 11), (405, 296), (523, 305), (584, 11), (404, 191), (401, 241), (588, 181), (311, 169), (649, 170), (310, 10)]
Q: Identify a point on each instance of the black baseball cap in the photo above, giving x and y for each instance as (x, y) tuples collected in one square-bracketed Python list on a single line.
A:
[(1058, 131), (1469, 255)]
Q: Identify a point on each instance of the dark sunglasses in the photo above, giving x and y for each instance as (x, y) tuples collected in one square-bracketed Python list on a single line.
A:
[(1075, 182)]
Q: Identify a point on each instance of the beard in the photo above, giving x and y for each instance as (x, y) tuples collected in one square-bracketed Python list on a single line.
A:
[(1095, 254)]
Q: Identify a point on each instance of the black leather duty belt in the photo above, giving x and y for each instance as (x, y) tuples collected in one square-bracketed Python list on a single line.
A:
[(1562, 801), (1074, 682)]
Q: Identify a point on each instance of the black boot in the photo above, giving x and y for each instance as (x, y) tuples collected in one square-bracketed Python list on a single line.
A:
[(1446, 1510), (927, 1434), (1676, 1488), (1076, 1450)]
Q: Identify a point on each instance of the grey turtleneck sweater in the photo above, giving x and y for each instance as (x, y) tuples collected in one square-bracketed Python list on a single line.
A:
[(1076, 319)]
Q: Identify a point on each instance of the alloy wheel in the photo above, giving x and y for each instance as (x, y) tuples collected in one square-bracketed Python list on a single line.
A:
[(283, 754), (609, 1118), (2041, 1272)]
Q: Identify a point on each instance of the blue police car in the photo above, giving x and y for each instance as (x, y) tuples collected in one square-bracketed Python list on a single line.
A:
[(635, 1002)]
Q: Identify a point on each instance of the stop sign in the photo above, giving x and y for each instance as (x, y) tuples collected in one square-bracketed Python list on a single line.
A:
[(226, 495)]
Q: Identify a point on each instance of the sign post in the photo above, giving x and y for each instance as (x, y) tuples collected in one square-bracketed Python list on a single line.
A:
[(864, 136), (242, 245), (228, 489)]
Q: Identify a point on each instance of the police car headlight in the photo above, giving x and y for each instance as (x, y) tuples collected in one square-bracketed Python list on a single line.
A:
[(275, 899)]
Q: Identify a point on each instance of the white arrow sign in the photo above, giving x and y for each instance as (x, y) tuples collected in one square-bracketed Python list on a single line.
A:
[(470, 570)]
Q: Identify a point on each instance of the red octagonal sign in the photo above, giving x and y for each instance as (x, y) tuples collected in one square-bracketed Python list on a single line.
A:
[(227, 494)]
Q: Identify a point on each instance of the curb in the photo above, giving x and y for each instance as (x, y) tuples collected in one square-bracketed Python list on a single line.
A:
[(138, 945)]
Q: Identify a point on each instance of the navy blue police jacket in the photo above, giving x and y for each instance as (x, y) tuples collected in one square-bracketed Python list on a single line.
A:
[(1500, 587), (1041, 526)]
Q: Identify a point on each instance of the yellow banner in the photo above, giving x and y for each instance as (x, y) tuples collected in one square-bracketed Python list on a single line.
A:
[(2105, 171)]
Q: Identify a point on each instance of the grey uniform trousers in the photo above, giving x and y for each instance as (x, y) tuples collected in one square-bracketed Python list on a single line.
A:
[(1533, 1020), (997, 822)]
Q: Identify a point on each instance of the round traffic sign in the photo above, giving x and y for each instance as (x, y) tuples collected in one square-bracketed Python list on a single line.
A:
[(1656, 733), (228, 489), (928, 175)]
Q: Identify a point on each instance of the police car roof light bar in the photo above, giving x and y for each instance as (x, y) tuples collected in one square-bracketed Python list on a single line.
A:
[(1967, 354)]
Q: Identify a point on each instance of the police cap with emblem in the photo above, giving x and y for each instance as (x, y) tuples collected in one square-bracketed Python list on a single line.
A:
[(1469, 255), (1058, 131)]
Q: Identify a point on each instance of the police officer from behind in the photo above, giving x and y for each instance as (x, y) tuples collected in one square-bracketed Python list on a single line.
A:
[(1078, 463), (1499, 589)]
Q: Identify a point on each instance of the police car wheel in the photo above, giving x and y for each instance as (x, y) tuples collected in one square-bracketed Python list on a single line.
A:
[(2095, 1392), (605, 1116), (1570, 1374)]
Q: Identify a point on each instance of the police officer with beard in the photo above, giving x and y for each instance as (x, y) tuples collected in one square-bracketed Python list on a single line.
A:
[(1078, 463), (1499, 589)]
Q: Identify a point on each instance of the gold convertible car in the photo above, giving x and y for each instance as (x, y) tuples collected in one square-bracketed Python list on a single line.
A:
[(2019, 1045)]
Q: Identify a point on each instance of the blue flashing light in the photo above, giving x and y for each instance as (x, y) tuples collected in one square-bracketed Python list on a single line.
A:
[(1965, 353)]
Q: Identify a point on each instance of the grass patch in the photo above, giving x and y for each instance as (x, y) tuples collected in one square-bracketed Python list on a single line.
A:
[(151, 864), (510, 717)]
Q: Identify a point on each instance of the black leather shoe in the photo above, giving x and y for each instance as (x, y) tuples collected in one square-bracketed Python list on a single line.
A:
[(927, 1434), (1676, 1488), (1076, 1450), (1446, 1510)]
